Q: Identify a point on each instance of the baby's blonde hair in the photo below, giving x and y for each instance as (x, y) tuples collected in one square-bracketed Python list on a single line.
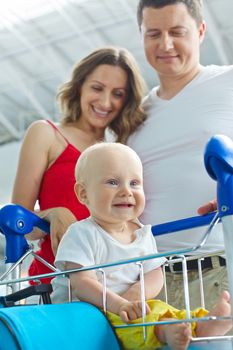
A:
[(84, 159)]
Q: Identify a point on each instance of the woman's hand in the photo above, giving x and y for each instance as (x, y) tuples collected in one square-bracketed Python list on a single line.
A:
[(60, 219)]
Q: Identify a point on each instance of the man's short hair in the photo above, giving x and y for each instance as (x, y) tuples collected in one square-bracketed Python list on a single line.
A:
[(194, 7)]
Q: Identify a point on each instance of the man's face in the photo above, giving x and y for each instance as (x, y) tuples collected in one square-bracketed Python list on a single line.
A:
[(171, 40)]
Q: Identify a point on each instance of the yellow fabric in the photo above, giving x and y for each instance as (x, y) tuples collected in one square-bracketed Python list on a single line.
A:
[(132, 338)]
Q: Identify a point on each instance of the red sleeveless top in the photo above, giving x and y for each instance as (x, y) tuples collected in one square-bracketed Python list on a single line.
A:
[(57, 190)]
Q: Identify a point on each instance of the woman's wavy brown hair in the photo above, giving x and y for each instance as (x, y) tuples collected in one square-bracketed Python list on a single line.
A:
[(131, 115)]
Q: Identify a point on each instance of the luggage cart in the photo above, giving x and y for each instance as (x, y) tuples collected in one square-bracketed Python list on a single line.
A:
[(30, 327)]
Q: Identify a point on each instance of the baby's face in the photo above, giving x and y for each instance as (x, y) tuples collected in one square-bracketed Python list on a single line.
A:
[(114, 186)]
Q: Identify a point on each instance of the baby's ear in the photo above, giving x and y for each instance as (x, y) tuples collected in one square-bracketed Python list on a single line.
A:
[(80, 191)]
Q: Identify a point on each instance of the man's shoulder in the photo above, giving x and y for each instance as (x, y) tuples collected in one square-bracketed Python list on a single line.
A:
[(147, 101), (215, 70)]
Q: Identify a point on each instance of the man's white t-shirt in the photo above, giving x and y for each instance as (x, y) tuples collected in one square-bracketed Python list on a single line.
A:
[(171, 146)]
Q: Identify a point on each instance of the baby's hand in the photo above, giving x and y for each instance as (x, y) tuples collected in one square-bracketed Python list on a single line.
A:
[(131, 310)]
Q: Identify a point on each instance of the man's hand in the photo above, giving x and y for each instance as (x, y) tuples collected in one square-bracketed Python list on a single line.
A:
[(131, 310), (208, 207)]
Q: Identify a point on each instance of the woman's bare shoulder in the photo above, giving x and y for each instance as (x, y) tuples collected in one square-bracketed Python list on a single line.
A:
[(39, 128), (40, 133)]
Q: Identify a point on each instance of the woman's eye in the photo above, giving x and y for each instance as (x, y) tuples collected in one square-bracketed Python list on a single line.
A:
[(118, 94), (96, 88)]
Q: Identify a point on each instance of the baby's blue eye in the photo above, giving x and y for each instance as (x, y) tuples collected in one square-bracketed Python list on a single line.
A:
[(112, 182), (134, 183)]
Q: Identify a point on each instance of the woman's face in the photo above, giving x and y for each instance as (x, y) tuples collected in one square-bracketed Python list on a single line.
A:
[(103, 95)]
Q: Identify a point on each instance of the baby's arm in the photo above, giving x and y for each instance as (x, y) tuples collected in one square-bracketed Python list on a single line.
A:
[(153, 281), (88, 288)]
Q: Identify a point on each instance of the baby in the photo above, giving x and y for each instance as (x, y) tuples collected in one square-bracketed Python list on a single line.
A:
[(109, 181)]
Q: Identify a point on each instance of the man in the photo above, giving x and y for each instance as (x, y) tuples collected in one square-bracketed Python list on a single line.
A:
[(191, 104)]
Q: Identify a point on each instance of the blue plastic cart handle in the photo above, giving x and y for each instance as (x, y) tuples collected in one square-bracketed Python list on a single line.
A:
[(15, 222), (218, 158), (183, 224)]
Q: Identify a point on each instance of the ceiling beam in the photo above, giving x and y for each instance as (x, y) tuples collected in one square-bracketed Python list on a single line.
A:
[(9, 127), (47, 61), (62, 10), (57, 40), (16, 78)]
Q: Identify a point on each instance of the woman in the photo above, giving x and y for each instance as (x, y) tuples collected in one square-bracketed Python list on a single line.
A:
[(105, 91)]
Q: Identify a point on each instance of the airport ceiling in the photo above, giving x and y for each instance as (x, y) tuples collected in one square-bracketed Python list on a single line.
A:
[(40, 43)]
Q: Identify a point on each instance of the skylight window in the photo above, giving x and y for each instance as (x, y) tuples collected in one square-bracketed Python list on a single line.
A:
[(15, 11)]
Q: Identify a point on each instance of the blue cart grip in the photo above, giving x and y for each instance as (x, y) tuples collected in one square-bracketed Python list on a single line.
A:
[(218, 159), (183, 224), (15, 222)]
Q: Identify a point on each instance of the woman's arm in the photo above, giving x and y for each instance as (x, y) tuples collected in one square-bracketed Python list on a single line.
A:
[(88, 288), (60, 219), (33, 161), (39, 149), (153, 282)]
